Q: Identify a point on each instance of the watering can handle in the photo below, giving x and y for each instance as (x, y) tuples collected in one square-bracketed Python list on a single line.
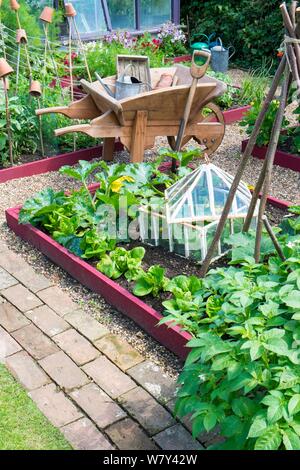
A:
[(198, 36), (198, 71), (211, 36), (232, 54)]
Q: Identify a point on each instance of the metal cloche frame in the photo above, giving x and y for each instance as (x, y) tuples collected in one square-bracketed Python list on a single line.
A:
[(201, 195)]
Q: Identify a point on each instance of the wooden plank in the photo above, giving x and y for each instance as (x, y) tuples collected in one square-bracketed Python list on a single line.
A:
[(138, 137), (108, 148), (82, 109), (166, 103), (103, 101)]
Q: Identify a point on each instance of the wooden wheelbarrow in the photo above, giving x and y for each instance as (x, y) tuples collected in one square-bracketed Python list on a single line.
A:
[(138, 120)]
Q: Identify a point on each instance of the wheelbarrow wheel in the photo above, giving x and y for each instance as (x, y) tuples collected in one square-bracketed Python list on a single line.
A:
[(210, 113)]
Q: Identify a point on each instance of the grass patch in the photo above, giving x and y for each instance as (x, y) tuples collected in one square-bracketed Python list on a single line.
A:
[(22, 425)]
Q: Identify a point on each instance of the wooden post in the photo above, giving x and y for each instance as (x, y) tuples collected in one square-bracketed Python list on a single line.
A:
[(108, 148), (270, 161), (139, 136), (242, 167)]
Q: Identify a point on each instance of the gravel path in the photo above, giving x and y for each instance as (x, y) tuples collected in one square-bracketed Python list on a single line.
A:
[(285, 185)]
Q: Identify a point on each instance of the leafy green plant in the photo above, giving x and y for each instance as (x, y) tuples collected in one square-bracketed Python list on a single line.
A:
[(265, 132), (122, 262), (243, 370), (151, 282), (24, 127)]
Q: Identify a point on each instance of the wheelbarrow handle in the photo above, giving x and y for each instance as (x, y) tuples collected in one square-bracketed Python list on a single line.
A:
[(198, 71)]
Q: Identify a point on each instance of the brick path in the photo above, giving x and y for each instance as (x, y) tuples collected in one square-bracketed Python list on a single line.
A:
[(91, 384)]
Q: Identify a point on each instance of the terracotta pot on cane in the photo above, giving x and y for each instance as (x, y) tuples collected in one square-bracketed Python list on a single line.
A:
[(35, 89), (21, 36), (5, 68), (47, 14), (70, 10), (14, 5)]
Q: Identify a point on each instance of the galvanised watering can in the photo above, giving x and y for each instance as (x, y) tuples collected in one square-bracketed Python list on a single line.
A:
[(201, 45)]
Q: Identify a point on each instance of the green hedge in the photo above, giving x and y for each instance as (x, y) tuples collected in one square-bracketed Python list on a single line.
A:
[(253, 27)]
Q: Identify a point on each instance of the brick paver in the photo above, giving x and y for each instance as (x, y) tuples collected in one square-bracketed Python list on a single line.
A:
[(58, 300), (6, 280), (150, 377), (98, 405), (56, 350), (176, 438), (64, 371), (152, 416), (12, 262), (35, 342), (119, 351), (10, 318), (83, 435), (3, 247), (26, 370), (8, 345), (76, 346), (126, 434), (109, 377), (86, 325), (33, 281), (21, 298), (55, 405), (47, 320)]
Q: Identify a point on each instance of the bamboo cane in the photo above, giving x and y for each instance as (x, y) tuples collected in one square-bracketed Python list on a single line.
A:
[(273, 238), (256, 192), (242, 166), (289, 26), (293, 8), (71, 71), (82, 50), (41, 131), (270, 162), (8, 124)]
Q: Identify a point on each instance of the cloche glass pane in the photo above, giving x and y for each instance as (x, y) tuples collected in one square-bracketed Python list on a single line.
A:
[(122, 13), (90, 17), (154, 12)]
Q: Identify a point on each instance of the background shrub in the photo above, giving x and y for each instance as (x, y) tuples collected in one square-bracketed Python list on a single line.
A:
[(253, 27)]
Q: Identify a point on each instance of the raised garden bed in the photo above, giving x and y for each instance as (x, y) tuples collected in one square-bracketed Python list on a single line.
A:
[(52, 163), (143, 314), (283, 159)]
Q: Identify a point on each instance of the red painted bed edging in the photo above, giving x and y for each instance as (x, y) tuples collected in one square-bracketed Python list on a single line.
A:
[(235, 115), (145, 316), (283, 159), (52, 163)]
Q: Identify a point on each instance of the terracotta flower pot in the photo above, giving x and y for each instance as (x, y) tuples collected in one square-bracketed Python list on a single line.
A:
[(35, 89), (14, 5), (5, 68), (21, 36), (47, 14), (70, 10)]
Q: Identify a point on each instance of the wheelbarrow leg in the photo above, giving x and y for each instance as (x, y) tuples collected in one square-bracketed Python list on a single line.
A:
[(139, 137), (108, 148)]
